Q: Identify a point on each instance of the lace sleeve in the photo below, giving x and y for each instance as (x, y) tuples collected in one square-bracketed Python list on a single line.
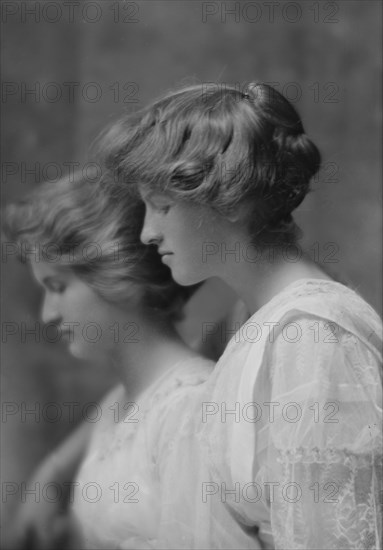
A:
[(322, 467)]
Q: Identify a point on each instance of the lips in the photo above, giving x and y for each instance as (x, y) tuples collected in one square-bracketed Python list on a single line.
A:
[(165, 256), (66, 334)]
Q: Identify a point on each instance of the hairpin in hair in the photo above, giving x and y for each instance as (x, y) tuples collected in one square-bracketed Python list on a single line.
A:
[(255, 90), (251, 90)]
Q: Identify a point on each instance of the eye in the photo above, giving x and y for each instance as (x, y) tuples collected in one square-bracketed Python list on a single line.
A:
[(54, 286), (159, 202), (58, 288), (161, 206), (164, 209)]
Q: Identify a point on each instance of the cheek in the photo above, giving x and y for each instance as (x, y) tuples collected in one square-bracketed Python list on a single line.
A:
[(188, 266), (187, 232), (189, 227), (88, 329), (203, 234)]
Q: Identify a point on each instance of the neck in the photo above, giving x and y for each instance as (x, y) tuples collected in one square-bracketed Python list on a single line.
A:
[(258, 279), (153, 349)]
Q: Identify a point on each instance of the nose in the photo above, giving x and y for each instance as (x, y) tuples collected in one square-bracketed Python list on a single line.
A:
[(150, 233), (50, 312)]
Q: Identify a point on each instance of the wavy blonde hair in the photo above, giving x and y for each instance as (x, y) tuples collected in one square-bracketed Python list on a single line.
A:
[(82, 227)]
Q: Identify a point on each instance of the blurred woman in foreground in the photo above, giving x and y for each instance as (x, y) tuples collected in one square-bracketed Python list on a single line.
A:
[(113, 301)]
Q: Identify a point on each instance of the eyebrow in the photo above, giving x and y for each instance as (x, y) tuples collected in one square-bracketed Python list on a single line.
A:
[(154, 198), (158, 196)]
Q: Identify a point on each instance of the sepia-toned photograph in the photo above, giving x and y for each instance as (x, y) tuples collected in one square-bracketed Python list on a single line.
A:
[(191, 275)]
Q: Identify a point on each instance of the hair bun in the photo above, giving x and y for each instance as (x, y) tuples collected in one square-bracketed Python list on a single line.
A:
[(298, 160), (305, 153)]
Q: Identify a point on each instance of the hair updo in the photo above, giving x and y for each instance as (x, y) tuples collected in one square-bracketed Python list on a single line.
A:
[(77, 225), (218, 146)]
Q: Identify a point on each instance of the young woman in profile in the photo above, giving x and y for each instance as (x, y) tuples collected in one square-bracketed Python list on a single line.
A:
[(290, 429), (97, 276)]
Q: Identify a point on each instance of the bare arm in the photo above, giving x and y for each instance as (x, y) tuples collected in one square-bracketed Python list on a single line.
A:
[(61, 465), (41, 523)]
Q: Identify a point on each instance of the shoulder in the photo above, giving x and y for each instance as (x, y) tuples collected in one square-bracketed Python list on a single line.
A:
[(331, 324), (334, 301), (315, 335), (327, 350), (180, 382), (305, 370), (309, 306)]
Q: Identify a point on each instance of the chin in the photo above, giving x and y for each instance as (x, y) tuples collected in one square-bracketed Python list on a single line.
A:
[(188, 278), (82, 352), (76, 351)]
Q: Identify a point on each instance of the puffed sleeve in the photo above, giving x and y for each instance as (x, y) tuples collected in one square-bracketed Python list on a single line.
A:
[(322, 465)]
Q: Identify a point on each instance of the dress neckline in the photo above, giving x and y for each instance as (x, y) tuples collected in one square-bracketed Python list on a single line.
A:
[(161, 383)]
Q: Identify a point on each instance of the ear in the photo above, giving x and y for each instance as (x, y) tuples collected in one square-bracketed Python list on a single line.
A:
[(238, 214)]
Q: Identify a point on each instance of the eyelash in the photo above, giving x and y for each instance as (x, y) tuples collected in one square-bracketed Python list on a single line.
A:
[(59, 289), (164, 209)]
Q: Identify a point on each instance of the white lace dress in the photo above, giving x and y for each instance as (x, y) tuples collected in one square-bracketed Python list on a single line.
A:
[(280, 448), (292, 422), (119, 490)]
